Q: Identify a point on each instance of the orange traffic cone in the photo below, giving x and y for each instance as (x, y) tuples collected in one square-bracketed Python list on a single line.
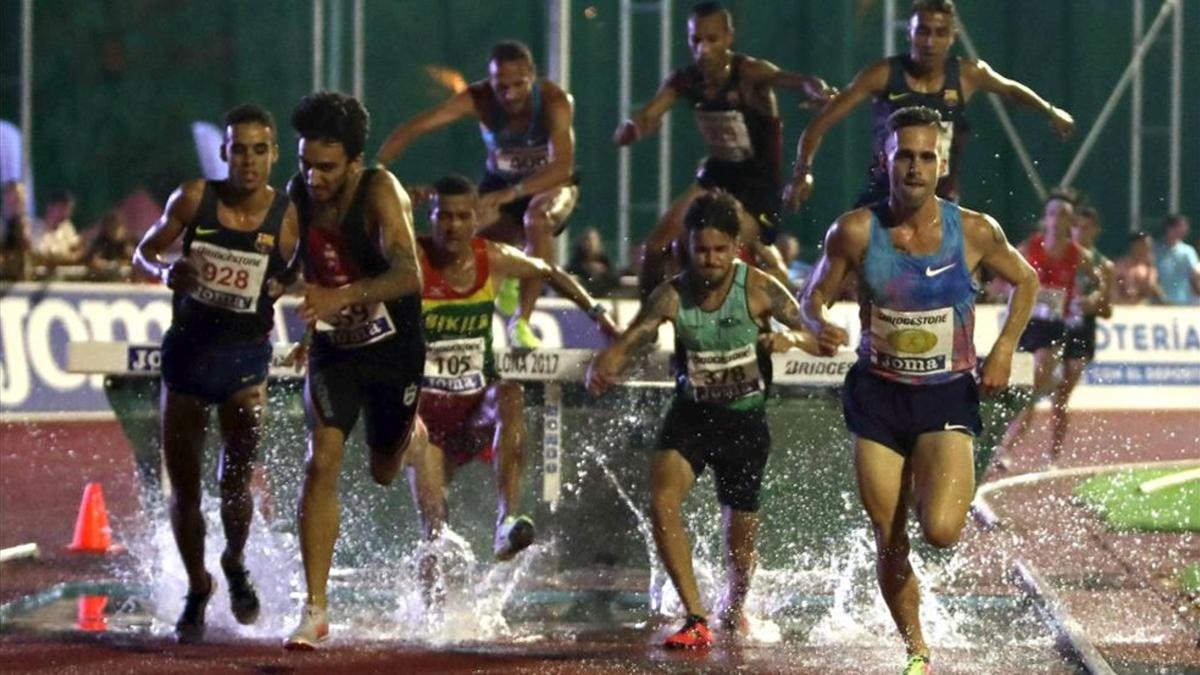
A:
[(90, 615), (92, 533)]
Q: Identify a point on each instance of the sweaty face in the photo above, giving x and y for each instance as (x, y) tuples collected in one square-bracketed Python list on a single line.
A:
[(325, 168), (1057, 216), (913, 163), (454, 218), (931, 34), (709, 38), (512, 82), (710, 255), (251, 151)]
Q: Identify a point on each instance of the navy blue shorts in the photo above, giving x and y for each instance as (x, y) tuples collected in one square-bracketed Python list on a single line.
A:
[(894, 414), (515, 209), (761, 196), (734, 442), (1041, 333), (196, 365), (384, 379), (1081, 340)]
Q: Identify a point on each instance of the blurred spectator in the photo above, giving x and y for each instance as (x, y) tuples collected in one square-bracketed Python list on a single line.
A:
[(1137, 277), (590, 263), (16, 248), (60, 245), (798, 269), (1177, 262), (108, 256)]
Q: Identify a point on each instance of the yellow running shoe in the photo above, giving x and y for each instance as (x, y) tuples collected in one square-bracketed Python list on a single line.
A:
[(918, 664), (508, 296), (521, 335)]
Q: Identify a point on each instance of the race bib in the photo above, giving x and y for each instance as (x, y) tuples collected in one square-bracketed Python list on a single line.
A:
[(723, 376), (916, 344), (229, 279), (1050, 304), (520, 161), (455, 366), (725, 134), (358, 325), (945, 140)]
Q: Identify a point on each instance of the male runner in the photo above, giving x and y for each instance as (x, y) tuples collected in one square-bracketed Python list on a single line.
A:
[(911, 401), (733, 98), (528, 187), (469, 411), (238, 235), (1091, 300), (925, 76), (1058, 260), (362, 301), (721, 309)]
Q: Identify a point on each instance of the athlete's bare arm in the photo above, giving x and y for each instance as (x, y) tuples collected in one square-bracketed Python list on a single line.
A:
[(985, 244), (768, 299), (647, 120), (560, 123), (507, 261), (979, 75), (845, 246), (764, 73), (661, 306), (870, 81), (453, 109), (181, 209)]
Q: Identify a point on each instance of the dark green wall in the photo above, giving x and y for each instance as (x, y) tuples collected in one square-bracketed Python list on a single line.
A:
[(118, 81)]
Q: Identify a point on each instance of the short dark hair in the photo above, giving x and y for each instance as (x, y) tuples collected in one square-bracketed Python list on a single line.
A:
[(703, 10), (715, 208), (454, 184), (59, 196), (333, 116), (511, 50), (939, 6), (1089, 212), (1173, 219), (913, 116), (249, 113), (1064, 193)]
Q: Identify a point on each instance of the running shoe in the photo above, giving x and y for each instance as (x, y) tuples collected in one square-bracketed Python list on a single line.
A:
[(508, 296), (513, 535), (521, 335), (313, 630), (190, 626), (243, 598), (693, 635), (918, 664)]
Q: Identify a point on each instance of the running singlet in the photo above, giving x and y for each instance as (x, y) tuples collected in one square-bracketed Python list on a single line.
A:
[(949, 101), (918, 313), (335, 258), (230, 301), (458, 327), (1085, 285), (1056, 277), (734, 131), (511, 154), (716, 353)]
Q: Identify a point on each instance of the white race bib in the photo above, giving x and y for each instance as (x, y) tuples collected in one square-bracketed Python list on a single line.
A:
[(358, 325), (520, 161), (916, 344), (1050, 304), (723, 376), (725, 134), (455, 366), (228, 278)]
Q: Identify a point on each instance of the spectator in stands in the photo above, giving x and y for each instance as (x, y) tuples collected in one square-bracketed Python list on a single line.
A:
[(108, 256), (591, 265), (1177, 262), (798, 269), (16, 247), (1137, 276), (60, 245)]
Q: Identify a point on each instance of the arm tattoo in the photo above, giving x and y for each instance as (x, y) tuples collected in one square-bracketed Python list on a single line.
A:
[(784, 308)]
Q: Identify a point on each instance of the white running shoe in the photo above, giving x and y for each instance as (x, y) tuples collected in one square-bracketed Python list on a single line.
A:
[(513, 535), (313, 630)]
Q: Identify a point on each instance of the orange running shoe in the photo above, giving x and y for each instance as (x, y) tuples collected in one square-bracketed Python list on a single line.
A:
[(693, 635)]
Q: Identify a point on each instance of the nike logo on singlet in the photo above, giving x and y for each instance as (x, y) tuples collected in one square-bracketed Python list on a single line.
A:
[(931, 272), (897, 96), (205, 231)]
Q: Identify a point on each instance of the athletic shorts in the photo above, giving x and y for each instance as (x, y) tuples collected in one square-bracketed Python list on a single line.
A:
[(894, 414), (211, 370), (382, 379), (448, 418), (734, 443), (1042, 333), (516, 208), (1080, 341), (761, 196)]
